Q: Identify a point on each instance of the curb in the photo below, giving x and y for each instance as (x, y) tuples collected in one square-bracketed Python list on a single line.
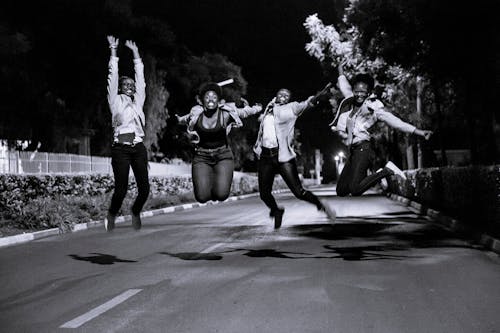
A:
[(31, 236), (455, 225)]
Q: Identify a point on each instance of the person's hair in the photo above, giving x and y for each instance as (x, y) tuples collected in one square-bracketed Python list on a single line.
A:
[(123, 78), (289, 91), (364, 78), (209, 86)]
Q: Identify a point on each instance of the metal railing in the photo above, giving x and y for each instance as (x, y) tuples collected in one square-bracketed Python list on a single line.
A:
[(20, 162), (36, 162)]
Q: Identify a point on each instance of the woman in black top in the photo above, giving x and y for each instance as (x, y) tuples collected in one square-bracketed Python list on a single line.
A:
[(208, 125)]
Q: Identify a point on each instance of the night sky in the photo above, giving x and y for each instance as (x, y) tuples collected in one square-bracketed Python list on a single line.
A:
[(265, 38)]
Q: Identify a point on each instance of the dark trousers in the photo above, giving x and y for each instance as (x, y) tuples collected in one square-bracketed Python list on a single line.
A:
[(122, 158), (269, 167), (353, 179), (212, 173)]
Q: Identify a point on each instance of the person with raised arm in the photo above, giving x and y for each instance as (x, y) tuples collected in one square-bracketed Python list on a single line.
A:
[(208, 125), (126, 98), (274, 148), (357, 114)]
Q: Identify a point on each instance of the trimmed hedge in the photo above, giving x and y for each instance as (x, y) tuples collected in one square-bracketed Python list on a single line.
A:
[(470, 194), (35, 202)]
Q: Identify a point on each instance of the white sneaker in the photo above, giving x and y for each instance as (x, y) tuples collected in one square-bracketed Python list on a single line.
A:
[(329, 210), (383, 182), (397, 171)]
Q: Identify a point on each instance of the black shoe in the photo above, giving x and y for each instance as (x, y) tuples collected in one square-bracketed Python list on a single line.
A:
[(136, 221), (109, 222), (278, 217)]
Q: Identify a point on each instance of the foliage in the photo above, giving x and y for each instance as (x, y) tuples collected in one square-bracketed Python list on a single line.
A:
[(468, 193), (37, 202), (452, 44), (57, 61)]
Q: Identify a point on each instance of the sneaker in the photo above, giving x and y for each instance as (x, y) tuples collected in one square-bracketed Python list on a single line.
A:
[(329, 211), (384, 184), (136, 221), (397, 171), (109, 222), (278, 217)]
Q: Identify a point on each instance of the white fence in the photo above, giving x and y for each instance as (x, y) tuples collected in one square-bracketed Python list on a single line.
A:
[(18, 162)]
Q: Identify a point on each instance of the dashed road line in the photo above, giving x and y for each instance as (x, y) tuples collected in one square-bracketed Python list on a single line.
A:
[(79, 321)]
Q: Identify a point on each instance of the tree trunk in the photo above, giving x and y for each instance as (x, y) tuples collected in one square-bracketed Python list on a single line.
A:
[(419, 85), (410, 158)]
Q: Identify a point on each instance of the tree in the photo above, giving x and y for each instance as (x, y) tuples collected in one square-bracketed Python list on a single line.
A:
[(450, 43), (333, 48)]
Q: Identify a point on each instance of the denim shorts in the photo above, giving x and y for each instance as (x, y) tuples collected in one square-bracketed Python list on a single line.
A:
[(212, 156)]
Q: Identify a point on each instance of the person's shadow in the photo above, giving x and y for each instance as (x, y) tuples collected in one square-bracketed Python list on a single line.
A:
[(100, 259)]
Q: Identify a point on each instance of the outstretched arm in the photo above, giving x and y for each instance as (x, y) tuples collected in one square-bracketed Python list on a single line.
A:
[(112, 70), (140, 83), (313, 100), (183, 120), (248, 110), (426, 134), (344, 85), (399, 124)]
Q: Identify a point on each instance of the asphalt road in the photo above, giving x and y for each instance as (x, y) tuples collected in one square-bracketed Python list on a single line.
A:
[(222, 268)]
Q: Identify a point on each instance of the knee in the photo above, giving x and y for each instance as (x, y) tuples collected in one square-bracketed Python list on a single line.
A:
[(342, 192), (144, 189), (220, 197), (300, 193), (120, 191), (201, 198), (220, 194), (264, 195)]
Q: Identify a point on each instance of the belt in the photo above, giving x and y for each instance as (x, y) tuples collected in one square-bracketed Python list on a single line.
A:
[(270, 151), (360, 144), (125, 144), (210, 150)]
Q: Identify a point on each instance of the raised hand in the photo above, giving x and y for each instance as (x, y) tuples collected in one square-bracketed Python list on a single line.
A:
[(131, 45), (245, 102), (113, 42), (341, 67)]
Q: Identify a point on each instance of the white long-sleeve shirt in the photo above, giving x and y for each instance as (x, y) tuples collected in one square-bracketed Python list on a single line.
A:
[(127, 113)]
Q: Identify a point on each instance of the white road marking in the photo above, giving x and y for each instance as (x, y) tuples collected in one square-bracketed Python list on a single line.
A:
[(79, 321)]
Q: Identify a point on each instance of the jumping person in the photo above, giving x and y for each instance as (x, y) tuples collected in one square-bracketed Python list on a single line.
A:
[(275, 152), (126, 98), (357, 115), (208, 124)]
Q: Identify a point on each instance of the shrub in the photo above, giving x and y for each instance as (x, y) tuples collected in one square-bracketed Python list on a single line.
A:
[(38, 202), (471, 194)]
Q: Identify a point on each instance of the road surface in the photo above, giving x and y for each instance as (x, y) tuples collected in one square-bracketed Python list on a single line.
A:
[(222, 268)]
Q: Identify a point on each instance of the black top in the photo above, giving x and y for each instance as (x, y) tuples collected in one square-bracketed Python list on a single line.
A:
[(211, 138)]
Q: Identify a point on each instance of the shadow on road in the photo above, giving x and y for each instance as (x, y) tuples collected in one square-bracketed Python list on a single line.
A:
[(100, 259), (413, 233), (392, 237), (357, 253), (194, 255)]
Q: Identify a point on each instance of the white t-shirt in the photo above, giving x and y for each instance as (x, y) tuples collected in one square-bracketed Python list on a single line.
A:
[(269, 138)]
